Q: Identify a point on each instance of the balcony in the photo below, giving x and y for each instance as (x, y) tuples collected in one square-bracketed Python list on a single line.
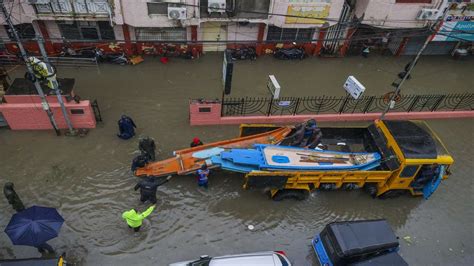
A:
[(72, 7)]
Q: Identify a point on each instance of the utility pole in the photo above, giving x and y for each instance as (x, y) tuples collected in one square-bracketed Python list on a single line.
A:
[(56, 89), (44, 102), (411, 66)]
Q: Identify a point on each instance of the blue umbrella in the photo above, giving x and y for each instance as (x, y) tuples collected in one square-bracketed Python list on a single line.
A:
[(34, 226)]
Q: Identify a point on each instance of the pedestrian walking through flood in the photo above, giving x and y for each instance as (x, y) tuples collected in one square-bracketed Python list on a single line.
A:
[(148, 188), (135, 219), (126, 127), (12, 197), (203, 174)]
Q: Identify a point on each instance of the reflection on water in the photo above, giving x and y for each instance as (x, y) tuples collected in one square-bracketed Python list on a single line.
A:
[(89, 181)]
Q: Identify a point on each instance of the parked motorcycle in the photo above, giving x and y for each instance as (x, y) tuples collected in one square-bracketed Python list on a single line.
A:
[(83, 53), (115, 58), (171, 51), (289, 53), (244, 53)]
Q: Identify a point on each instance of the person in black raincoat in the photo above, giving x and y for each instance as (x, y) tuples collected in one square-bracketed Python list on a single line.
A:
[(139, 161), (147, 147), (126, 127), (12, 197), (148, 188)]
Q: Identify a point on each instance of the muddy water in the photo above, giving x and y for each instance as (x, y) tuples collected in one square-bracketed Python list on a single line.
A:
[(89, 181)]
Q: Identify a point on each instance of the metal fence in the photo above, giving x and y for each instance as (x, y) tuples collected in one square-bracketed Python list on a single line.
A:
[(56, 61), (345, 105)]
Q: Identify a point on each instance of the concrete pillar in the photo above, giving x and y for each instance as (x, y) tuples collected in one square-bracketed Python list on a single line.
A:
[(347, 42), (261, 34), (401, 48), (48, 44), (128, 41), (319, 44)]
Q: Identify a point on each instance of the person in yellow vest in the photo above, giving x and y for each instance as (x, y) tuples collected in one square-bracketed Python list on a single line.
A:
[(43, 71), (134, 219)]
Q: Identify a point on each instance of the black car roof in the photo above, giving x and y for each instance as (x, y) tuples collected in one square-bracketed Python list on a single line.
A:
[(361, 237), (388, 259), (414, 141)]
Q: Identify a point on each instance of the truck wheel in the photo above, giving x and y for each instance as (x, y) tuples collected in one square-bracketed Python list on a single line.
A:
[(297, 194), (392, 194), (372, 190)]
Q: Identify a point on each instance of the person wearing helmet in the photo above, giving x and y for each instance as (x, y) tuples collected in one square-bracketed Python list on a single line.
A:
[(196, 142)]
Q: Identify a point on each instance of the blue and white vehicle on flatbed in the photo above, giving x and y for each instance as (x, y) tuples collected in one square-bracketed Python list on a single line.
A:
[(361, 243)]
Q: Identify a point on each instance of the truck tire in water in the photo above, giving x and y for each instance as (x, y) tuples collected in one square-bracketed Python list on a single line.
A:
[(392, 194), (297, 194)]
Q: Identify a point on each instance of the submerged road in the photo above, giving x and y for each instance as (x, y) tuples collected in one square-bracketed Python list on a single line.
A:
[(88, 179)]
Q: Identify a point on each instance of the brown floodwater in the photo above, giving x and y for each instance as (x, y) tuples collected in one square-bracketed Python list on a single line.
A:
[(88, 179)]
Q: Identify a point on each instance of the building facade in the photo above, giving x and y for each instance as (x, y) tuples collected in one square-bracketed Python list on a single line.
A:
[(321, 27)]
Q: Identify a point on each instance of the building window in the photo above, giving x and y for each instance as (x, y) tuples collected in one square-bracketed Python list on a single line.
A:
[(77, 111), (205, 109), (71, 7), (25, 31), (86, 30), (160, 34), (289, 34), (413, 1), (157, 8)]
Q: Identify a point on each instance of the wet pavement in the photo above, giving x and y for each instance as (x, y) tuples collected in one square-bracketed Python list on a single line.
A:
[(89, 181)]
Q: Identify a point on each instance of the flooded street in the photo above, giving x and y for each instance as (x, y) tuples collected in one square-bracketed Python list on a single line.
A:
[(89, 179)]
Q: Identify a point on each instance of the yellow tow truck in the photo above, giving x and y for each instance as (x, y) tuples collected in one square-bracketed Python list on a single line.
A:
[(414, 160)]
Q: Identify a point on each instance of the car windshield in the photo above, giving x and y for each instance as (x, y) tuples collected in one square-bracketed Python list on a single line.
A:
[(201, 262), (329, 246)]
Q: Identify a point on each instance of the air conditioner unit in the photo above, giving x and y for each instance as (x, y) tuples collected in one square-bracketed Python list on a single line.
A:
[(34, 2), (176, 12), (428, 14), (216, 6)]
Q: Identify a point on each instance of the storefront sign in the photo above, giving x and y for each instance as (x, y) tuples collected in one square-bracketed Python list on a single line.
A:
[(458, 24), (307, 11)]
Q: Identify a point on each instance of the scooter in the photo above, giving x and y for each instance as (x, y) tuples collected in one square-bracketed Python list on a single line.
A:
[(116, 58), (289, 53), (244, 53)]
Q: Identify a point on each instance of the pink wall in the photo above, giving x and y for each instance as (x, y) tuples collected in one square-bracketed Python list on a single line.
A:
[(31, 116), (30, 99), (199, 118)]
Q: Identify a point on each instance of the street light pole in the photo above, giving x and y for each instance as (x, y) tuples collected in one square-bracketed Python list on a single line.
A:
[(56, 89), (411, 66), (44, 102)]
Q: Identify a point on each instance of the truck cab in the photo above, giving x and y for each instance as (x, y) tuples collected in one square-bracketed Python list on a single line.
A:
[(357, 243)]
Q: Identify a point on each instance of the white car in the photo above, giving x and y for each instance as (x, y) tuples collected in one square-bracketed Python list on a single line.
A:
[(266, 258)]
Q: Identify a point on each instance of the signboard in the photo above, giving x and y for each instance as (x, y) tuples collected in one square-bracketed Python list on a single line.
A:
[(284, 103), (273, 86), (458, 24), (354, 87), (307, 11), (227, 69)]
